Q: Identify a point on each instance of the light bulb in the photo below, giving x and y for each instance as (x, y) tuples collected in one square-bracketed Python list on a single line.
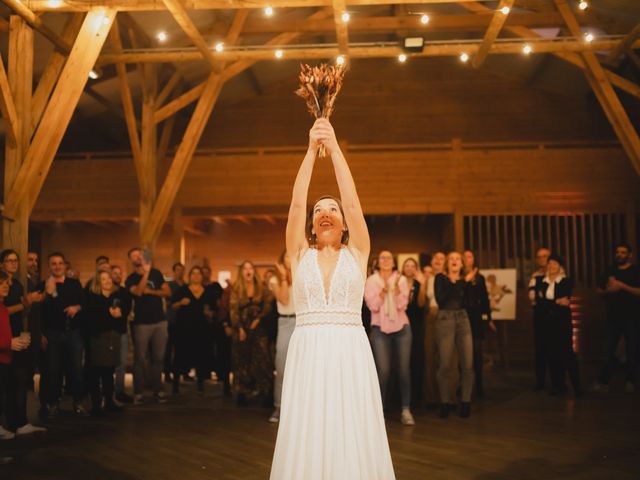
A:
[(219, 47), (527, 49), (340, 60), (402, 58), (94, 75), (268, 11), (54, 3), (425, 19), (464, 57), (346, 17), (583, 5), (161, 36), (589, 37), (505, 10), (279, 53)]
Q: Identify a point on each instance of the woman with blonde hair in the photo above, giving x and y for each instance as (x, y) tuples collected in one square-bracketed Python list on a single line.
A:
[(249, 305), (107, 311), (453, 331), (331, 422)]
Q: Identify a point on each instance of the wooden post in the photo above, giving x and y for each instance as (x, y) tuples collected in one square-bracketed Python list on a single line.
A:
[(15, 233), (149, 149)]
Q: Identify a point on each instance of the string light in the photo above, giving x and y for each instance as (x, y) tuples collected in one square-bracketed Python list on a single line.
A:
[(219, 47), (279, 53), (161, 36), (527, 49), (402, 58), (54, 3), (268, 11), (346, 17), (464, 57), (424, 19), (588, 37), (340, 60), (505, 10), (94, 75), (583, 5)]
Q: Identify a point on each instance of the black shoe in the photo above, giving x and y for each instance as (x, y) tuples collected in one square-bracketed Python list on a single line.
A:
[(465, 410), (241, 401), (124, 398), (444, 410)]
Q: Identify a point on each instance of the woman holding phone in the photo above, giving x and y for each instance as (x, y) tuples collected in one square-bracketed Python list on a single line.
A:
[(107, 313)]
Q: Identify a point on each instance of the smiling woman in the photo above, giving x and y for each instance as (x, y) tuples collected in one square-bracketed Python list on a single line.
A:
[(331, 421)]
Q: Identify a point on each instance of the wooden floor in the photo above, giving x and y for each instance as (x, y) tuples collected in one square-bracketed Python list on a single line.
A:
[(513, 434)]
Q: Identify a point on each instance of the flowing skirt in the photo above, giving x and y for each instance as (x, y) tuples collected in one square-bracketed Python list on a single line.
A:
[(331, 421)]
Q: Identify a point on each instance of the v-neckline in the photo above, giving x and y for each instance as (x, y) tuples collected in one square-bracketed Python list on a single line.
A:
[(326, 293)]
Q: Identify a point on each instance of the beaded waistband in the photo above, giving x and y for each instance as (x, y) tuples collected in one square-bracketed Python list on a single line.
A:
[(328, 317)]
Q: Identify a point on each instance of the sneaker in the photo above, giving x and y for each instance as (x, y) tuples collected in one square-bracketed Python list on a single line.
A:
[(124, 398), (629, 387), (161, 397), (138, 399), (465, 409), (406, 418), (28, 429), (80, 411), (6, 434), (598, 387), (275, 416)]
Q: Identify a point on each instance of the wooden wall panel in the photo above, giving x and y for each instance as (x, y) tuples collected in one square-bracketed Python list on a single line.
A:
[(394, 181)]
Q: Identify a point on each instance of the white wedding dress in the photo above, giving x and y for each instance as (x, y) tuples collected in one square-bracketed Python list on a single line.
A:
[(331, 421)]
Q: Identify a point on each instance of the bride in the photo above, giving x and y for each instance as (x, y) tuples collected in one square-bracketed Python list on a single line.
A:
[(331, 424)]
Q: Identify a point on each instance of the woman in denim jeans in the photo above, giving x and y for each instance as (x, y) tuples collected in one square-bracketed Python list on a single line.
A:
[(453, 330), (386, 293)]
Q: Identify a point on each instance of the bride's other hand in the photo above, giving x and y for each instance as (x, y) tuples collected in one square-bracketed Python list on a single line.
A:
[(322, 133)]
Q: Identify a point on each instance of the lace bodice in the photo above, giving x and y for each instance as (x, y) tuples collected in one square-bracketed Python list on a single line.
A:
[(342, 304)]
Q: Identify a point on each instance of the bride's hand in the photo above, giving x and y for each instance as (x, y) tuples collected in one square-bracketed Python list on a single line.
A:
[(322, 134)]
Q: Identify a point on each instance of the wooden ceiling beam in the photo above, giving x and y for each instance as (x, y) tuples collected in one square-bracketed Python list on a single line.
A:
[(59, 111), (8, 107), (266, 52), (35, 22), (52, 71), (605, 93), (180, 15), (342, 34), (129, 112), (154, 5), (625, 45), (412, 23), (570, 57), (492, 32)]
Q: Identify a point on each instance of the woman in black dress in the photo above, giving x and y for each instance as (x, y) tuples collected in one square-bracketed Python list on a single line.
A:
[(479, 312), (193, 331), (553, 304), (106, 316), (416, 318)]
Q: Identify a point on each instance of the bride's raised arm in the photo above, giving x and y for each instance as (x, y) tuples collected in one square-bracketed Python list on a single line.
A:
[(296, 235), (358, 231)]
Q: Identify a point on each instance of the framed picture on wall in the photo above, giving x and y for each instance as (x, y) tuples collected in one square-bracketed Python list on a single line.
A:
[(501, 287)]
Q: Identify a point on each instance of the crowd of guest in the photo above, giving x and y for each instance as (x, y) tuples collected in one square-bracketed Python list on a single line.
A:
[(426, 324)]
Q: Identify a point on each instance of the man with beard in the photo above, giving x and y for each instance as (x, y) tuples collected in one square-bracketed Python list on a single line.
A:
[(620, 287)]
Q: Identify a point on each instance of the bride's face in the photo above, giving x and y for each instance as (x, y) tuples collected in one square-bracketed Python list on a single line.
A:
[(328, 223)]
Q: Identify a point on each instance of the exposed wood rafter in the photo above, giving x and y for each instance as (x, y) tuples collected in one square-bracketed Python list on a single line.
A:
[(497, 22)]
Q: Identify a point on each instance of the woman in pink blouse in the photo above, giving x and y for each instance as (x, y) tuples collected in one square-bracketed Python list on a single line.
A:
[(387, 295)]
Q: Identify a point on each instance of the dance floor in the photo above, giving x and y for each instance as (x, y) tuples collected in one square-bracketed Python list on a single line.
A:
[(514, 433)]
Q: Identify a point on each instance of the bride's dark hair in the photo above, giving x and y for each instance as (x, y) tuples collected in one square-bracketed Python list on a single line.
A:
[(311, 237)]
